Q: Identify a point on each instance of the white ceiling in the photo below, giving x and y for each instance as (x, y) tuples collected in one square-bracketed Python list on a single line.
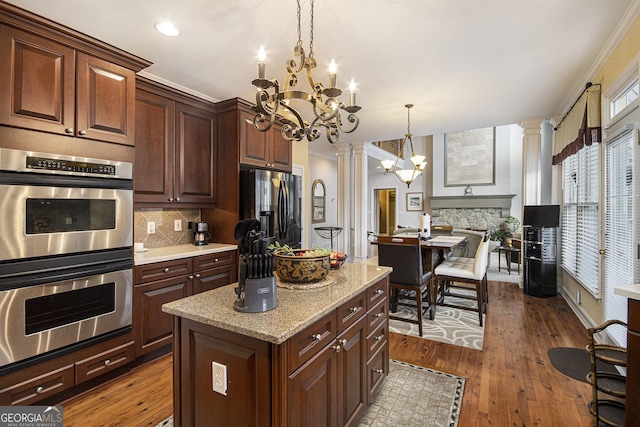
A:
[(464, 64)]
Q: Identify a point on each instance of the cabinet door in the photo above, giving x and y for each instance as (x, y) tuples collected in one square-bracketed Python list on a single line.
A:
[(254, 148), (352, 362), (312, 391), (214, 278), (195, 155), (152, 327), (38, 82), (153, 171), (280, 149), (105, 101)]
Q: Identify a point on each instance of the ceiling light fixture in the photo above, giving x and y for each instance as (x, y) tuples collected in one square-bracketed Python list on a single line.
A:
[(406, 176), (168, 29), (326, 108)]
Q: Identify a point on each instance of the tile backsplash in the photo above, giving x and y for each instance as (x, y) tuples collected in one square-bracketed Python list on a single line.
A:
[(165, 220)]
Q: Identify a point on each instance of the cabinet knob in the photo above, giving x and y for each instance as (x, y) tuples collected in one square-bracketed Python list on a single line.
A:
[(191, 277), (197, 275), (83, 132), (170, 199), (177, 199), (337, 348), (166, 269), (69, 131), (40, 390), (379, 371), (316, 337), (378, 315), (215, 260), (107, 362), (354, 309), (379, 337), (379, 292), (342, 342)]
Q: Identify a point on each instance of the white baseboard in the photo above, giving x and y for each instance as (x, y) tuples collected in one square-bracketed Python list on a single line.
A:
[(584, 318)]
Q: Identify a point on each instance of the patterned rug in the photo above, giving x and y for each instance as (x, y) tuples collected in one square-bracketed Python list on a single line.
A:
[(411, 396)]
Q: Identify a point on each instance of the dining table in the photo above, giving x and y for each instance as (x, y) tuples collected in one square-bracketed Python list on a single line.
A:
[(435, 251)]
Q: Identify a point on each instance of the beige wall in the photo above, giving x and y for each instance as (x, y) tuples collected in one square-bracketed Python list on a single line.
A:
[(619, 59)]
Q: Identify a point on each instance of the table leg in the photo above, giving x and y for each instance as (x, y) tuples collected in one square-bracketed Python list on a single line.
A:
[(508, 256), (499, 252)]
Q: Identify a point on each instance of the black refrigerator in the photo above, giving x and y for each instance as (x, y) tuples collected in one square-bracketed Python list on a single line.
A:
[(540, 235), (274, 198)]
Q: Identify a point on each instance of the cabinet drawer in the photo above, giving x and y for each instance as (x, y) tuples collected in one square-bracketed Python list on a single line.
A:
[(377, 292), (377, 315), (351, 311), (38, 388), (162, 270), (205, 262), (214, 278), (377, 338), (307, 343), (104, 362), (377, 370)]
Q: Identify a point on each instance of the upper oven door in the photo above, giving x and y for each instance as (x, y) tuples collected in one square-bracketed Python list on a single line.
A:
[(50, 220)]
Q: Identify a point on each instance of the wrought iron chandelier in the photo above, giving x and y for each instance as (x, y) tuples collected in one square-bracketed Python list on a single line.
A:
[(323, 100), (406, 176)]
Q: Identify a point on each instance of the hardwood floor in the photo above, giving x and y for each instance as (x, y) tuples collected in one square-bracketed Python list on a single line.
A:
[(509, 383)]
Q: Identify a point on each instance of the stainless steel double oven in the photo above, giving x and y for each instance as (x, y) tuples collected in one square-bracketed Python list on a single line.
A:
[(66, 230)]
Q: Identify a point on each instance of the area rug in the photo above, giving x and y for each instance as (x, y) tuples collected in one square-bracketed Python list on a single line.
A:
[(493, 275), (450, 325), (411, 396)]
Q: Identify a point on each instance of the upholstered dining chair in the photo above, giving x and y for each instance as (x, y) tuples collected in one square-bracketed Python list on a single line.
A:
[(410, 274), (470, 274)]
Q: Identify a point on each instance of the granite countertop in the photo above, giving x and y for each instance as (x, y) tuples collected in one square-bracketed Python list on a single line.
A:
[(630, 291), (296, 309), (168, 253)]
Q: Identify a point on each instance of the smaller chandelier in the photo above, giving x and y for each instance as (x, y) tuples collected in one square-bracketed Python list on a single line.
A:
[(406, 176), (323, 100)]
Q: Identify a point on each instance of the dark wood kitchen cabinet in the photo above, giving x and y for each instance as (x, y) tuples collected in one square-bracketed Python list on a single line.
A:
[(162, 282), (175, 148), (59, 84), (263, 149)]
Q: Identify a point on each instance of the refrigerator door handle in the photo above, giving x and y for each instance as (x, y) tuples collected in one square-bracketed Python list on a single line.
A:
[(282, 215)]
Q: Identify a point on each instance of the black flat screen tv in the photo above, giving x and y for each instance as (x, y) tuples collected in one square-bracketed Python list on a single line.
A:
[(541, 216)]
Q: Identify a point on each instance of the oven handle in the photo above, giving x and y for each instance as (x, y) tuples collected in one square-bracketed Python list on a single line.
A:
[(45, 180), (14, 282)]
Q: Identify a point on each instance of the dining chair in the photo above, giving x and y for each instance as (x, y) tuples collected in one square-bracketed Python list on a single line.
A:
[(410, 274), (468, 274), (608, 388)]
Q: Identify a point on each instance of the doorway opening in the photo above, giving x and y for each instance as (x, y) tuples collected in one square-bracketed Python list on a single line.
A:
[(385, 203)]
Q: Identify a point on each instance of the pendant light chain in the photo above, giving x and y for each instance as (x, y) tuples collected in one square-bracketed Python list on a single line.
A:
[(311, 33), (299, 30)]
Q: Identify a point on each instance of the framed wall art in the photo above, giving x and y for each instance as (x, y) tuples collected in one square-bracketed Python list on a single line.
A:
[(414, 201), (470, 157)]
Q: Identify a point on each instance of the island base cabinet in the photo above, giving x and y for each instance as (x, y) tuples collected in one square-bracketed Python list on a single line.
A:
[(247, 360)]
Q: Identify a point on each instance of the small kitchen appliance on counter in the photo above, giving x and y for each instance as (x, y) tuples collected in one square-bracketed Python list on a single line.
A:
[(201, 234), (256, 288)]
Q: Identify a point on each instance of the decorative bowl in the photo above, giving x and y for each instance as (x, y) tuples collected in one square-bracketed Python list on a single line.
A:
[(299, 269), (337, 262)]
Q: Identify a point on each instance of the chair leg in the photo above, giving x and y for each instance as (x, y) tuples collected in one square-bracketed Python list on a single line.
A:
[(480, 296), (419, 310)]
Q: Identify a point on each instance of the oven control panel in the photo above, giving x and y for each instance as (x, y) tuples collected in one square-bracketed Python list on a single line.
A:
[(70, 166)]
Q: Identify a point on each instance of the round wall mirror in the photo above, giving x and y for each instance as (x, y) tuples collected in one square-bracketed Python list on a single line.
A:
[(318, 201)]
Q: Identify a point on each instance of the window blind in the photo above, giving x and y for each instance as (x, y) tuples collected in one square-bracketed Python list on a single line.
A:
[(618, 236)]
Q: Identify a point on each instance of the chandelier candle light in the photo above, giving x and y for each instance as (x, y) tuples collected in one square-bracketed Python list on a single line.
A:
[(406, 175), (325, 105)]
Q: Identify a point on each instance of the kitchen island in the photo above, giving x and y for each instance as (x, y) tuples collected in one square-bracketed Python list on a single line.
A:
[(318, 358)]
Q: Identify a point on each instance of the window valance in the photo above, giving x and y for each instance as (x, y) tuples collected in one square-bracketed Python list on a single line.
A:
[(581, 126)]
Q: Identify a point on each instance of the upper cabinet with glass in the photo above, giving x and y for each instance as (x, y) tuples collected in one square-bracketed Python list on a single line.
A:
[(318, 203)]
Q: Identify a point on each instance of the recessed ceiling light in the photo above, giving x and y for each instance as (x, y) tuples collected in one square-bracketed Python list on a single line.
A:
[(168, 29)]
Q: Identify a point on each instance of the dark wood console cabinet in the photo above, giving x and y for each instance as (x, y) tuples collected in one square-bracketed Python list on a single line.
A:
[(632, 411), (326, 374)]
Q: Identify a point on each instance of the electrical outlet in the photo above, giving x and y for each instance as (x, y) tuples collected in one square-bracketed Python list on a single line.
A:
[(578, 297), (151, 227), (177, 225), (219, 373)]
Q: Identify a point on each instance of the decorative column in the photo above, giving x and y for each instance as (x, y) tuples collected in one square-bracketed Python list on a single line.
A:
[(360, 201), (344, 195), (531, 161)]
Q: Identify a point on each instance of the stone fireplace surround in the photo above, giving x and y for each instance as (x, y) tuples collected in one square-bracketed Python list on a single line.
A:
[(481, 212)]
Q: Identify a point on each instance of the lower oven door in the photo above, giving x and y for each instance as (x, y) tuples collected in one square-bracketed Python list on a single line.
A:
[(46, 317)]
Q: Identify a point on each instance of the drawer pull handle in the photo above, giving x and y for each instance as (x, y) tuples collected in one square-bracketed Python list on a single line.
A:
[(197, 275), (378, 315), (40, 390), (379, 371), (316, 337), (379, 337), (354, 309), (191, 277), (342, 342), (379, 292), (166, 270), (107, 362), (215, 260), (337, 348)]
